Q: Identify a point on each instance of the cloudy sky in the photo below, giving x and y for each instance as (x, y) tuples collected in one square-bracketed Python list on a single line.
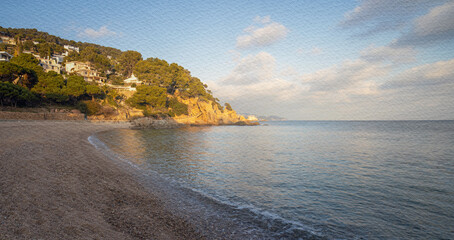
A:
[(309, 60)]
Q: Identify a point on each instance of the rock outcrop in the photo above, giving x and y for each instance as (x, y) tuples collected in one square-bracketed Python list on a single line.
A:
[(208, 113), (200, 112)]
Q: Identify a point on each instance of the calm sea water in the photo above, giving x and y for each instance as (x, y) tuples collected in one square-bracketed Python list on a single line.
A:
[(302, 179)]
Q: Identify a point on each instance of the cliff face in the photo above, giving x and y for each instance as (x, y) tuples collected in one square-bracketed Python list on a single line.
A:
[(206, 112), (199, 113)]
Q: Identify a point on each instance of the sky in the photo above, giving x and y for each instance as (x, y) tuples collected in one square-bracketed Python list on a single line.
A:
[(302, 60)]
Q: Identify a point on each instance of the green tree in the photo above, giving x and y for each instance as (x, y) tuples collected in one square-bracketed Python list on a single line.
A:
[(158, 72), (19, 48), (28, 61), (51, 86), (114, 97), (9, 72), (93, 90), (45, 49), (228, 107), (93, 55), (152, 96), (115, 80), (28, 45), (13, 94), (127, 61), (75, 87), (153, 71), (3, 47), (177, 108), (90, 107)]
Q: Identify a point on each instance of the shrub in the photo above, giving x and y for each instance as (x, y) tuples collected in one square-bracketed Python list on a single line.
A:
[(228, 107), (82, 106), (178, 108), (16, 95), (93, 108), (148, 96)]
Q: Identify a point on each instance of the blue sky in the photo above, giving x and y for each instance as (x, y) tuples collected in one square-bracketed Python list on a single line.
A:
[(315, 60)]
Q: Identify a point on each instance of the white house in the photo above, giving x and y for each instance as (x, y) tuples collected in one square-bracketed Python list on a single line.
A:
[(8, 40), (5, 56), (49, 64), (58, 58), (86, 70), (71, 48), (132, 79)]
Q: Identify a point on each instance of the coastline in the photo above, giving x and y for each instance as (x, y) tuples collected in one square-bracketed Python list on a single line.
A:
[(55, 185)]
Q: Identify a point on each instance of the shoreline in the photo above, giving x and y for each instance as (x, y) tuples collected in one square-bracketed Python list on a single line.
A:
[(214, 216), (54, 184)]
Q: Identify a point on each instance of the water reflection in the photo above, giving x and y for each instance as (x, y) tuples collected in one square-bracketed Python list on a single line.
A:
[(348, 179)]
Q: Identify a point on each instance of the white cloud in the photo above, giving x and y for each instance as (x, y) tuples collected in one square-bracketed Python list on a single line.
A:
[(363, 88), (395, 55), (252, 69), (437, 25), (255, 83), (349, 76), (432, 74), (438, 21), (269, 33), (101, 32), (377, 16)]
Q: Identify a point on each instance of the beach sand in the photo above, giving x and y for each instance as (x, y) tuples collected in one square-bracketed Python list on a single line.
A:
[(55, 185)]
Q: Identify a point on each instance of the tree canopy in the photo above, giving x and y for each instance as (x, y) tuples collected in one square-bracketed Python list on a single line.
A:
[(93, 55), (127, 61), (14, 94), (93, 90), (28, 61), (228, 107), (158, 72), (159, 77), (9, 72), (75, 86), (51, 86), (152, 96)]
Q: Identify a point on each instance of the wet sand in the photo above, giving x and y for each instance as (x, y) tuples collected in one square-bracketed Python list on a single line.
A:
[(55, 185)]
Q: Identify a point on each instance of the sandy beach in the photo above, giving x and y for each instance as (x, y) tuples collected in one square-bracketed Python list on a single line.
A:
[(55, 185)]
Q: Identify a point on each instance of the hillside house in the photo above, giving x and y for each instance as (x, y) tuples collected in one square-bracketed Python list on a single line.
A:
[(132, 79), (71, 48), (5, 56), (49, 64), (58, 58), (86, 70), (8, 40)]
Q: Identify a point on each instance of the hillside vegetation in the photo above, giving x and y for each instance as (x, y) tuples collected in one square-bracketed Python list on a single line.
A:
[(164, 88)]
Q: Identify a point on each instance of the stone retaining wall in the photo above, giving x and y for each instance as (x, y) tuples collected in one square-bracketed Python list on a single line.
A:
[(40, 116)]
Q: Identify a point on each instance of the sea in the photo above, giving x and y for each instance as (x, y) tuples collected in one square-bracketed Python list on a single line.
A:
[(299, 179)]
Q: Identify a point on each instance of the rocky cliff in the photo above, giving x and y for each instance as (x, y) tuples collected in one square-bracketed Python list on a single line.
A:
[(199, 113), (206, 112)]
